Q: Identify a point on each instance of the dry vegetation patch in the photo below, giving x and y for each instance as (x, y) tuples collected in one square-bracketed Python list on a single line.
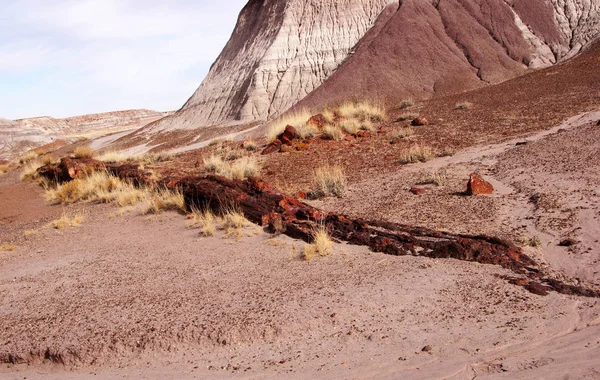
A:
[(321, 245), (5, 247), (4, 169), (417, 153), (84, 152), (66, 221), (329, 181)]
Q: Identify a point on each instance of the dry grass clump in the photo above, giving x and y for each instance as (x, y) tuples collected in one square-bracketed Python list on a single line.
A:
[(329, 181), (402, 134), (5, 247), (463, 105), (84, 151), (406, 103), (66, 221), (250, 145), (4, 169), (331, 132), (206, 220), (152, 158), (361, 111), (29, 172), (29, 156), (236, 154), (112, 157), (351, 126), (416, 154), (297, 120), (233, 222), (321, 245), (164, 200), (407, 116), (437, 178), (239, 169)]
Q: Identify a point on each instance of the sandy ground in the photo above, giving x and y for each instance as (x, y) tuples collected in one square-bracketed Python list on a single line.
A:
[(136, 297)]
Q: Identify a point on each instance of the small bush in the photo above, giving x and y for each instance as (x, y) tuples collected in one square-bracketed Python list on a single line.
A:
[(233, 155), (332, 133), (406, 103), (352, 126), (66, 221), (29, 172), (112, 157), (243, 168), (321, 245), (329, 181), (250, 145), (417, 154), (464, 105), (402, 134), (407, 116), (29, 156), (84, 152), (214, 164)]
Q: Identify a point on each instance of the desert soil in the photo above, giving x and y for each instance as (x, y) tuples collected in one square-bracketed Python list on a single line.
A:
[(126, 295)]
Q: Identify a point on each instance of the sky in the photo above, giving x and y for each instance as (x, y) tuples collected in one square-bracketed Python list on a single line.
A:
[(65, 58)]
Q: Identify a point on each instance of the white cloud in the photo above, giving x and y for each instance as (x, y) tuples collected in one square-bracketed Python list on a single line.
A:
[(67, 57)]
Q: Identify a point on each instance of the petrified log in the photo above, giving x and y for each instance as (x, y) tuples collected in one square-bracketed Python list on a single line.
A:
[(264, 205), (72, 168)]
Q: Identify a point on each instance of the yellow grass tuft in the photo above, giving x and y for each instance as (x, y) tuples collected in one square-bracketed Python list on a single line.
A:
[(333, 133), (402, 134), (406, 103), (250, 145), (463, 105), (362, 111), (239, 169), (407, 116), (112, 157), (84, 152), (321, 245), (29, 232), (66, 221), (297, 120), (4, 169), (29, 156), (416, 154), (329, 181), (5, 247), (233, 222), (352, 126), (165, 199), (29, 172)]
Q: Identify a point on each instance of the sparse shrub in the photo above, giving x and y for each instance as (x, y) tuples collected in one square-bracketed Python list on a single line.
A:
[(297, 120), (321, 245), (112, 157), (233, 155), (84, 151), (66, 221), (416, 154), (329, 116), (332, 133), (307, 131), (215, 142), (250, 145), (532, 241), (233, 222), (206, 220), (438, 178), (402, 134), (165, 199), (447, 152), (29, 232), (47, 159), (29, 172), (367, 125), (29, 156), (352, 126), (463, 105), (243, 168), (214, 164), (407, 116), (406, 103), (4, 169), (361, 111), (329, 181)]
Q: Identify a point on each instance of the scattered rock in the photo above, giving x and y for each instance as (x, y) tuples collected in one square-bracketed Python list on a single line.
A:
[(568, 242), (522, 143), (275, 146), (427, 349), (420, 121), (288, 135), (317, 121), (417, 190), (598, 123), (478, 185), (301, 195)]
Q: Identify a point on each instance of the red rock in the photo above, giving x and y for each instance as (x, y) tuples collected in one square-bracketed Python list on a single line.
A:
[(317, 121), (301, 195), (363, 134), (417, 190), (288, 135), (478, 185), (275, 146), (598, 123), (420, 121)]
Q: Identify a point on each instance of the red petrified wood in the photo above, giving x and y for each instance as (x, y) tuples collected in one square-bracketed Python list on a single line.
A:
[(478, 185)]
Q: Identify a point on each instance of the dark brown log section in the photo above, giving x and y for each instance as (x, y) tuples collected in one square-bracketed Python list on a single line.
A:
[(72, 168)]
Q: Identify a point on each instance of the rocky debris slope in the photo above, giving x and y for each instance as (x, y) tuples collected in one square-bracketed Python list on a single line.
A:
[(282, 51), (15, 138)]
